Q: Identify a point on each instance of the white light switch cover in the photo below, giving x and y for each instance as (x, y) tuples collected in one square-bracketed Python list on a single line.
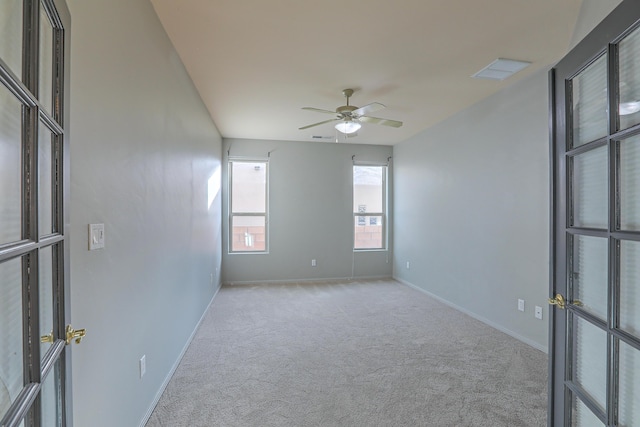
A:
[(96, 236)]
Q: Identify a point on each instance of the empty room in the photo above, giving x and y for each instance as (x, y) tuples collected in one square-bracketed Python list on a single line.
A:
[(339, 213)]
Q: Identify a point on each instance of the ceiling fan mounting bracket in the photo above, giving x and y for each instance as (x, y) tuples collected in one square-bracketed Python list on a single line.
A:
[(347, 93)]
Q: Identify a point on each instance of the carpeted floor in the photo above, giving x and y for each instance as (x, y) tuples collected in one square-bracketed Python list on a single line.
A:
[(361, 353)]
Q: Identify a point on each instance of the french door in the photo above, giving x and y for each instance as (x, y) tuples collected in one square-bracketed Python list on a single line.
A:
[(34, 359), (595, 286)]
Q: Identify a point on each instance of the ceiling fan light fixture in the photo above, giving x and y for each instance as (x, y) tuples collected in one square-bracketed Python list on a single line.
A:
[(348, 126)]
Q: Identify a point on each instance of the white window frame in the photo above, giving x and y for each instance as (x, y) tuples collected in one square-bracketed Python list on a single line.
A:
[(233, 214), (382, 215)]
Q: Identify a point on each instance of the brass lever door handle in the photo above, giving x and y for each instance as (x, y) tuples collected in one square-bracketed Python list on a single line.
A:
[(76, 334), (47, 338), (558, 301)]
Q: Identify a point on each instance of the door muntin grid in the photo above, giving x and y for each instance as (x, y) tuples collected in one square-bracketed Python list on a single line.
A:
[(611, 218)]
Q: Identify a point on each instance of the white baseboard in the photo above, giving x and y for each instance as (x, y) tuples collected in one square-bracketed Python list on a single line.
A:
[(165, 383), (494, 325), (319, 279)]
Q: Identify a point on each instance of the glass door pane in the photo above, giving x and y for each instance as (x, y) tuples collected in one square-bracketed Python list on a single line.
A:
[(590, 360), (582, 416), (46, 61), (46, 297), (629, 193), (630, 288), (45, 189), (590, 113), (11, 354), (10, 167), (629, 80), (51, 402), (589, 275), (11, 34), (629, 410), (590, 189)]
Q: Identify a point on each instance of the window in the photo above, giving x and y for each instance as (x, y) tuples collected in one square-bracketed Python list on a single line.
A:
[(369, 206), (248, 206)]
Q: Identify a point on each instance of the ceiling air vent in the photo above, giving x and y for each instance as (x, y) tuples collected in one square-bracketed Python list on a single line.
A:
[(501, 69)]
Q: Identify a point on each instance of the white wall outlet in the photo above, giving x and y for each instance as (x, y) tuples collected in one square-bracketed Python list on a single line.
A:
[(96, 236), (211, 280), (521, 305), (408, 265), (538, 312), (313, 263), (143, 365)]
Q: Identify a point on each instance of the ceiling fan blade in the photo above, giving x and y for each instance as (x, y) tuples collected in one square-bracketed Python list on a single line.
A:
[(369, 108), (379, 121), (318, 110), (317, 124)]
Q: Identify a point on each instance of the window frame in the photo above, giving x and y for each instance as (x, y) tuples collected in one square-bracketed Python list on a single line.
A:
[(383, 215), (232, 214)]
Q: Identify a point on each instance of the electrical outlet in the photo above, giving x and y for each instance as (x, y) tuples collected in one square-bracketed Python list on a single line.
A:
[(211, 280), (143, 365), (538, 312), (313, 263), (408, 265), (521, 305)]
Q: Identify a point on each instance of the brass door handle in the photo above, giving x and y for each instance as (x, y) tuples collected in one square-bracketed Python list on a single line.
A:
[(47, 338), (71, 333), (558, 301)]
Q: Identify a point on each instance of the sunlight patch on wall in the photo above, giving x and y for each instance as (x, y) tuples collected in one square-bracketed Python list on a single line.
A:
[(214, 186)]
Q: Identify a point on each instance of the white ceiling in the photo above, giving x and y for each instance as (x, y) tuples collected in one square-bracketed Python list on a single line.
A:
[(257, 62)]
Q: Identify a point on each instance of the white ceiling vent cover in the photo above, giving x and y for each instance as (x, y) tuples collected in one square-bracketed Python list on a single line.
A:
[(501, 69)]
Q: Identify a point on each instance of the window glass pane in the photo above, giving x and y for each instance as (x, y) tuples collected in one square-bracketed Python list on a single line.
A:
[(629, 57), (248, 187), (248, 233), (11, 367), (630, 184), (630, 288), (51, 402), (589, 274), (368, 190), (10, 167), (46, 60), (582, 416), (590, 116), (629, 411), (590, 189), (368, 232), (44, 181), (11, 34), (590, 353), (45, 287)]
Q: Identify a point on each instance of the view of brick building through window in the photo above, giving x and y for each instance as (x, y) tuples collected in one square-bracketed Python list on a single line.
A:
[(369, 206), (248, 206)]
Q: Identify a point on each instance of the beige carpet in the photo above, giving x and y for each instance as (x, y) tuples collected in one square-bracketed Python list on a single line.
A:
[(373, 353)]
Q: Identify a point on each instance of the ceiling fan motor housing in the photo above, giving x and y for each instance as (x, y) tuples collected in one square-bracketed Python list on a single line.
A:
[(346, 110)]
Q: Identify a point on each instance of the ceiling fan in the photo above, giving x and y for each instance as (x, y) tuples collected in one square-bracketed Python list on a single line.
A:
[(350, 117)]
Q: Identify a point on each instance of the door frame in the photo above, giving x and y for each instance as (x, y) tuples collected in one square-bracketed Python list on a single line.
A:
[(613, 28)]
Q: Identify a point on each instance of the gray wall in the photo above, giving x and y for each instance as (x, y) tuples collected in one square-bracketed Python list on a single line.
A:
[(143, 149), (310, 213), (472, 204)]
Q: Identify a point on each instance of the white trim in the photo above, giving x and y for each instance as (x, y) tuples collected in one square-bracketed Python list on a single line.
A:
[(484, 320), (167, 379)]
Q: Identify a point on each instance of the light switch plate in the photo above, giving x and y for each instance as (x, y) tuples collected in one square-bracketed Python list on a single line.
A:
[(96, 236)]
